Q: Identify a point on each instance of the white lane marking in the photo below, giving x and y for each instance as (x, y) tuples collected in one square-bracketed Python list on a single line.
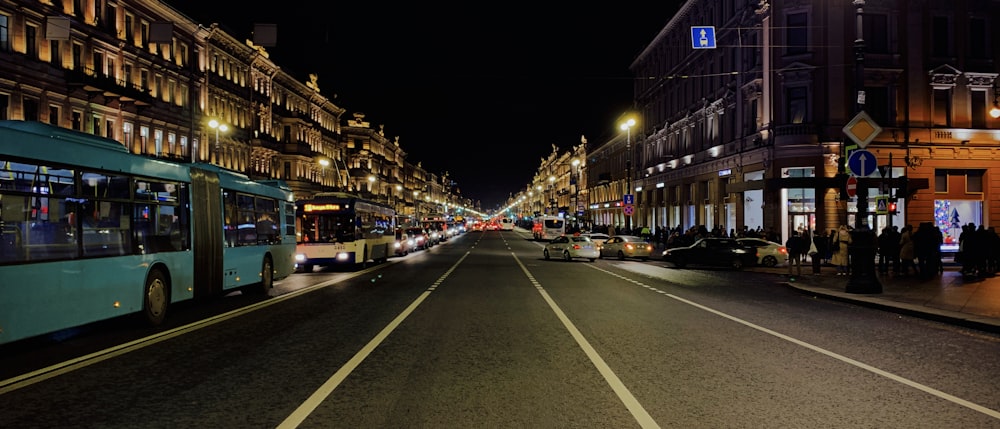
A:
[(37, 376), (633, 405), (325, 390), (927, 389)]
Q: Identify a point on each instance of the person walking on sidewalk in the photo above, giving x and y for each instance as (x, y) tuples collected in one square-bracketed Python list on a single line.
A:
[(906, 251), (841, 239), (797, 247)]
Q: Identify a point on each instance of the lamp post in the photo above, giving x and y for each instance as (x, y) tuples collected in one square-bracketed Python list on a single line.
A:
[(576, 191), (627, 127), (399, 188), (862, 247), (217, 126), (323, 163), (416, 206), (552, 196)]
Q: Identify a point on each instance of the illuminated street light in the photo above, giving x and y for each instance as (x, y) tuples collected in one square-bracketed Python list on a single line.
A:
[(217, 126), (627, 127)]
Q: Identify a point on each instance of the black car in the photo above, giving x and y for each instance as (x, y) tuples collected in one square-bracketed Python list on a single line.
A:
[(725, 252)]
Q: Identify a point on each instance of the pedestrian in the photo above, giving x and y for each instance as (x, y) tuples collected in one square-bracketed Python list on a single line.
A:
[(906, 251), (840, 240), (797, 247), (818, 250)]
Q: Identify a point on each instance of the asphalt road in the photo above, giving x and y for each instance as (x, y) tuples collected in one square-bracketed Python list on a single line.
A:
[(482, 332)]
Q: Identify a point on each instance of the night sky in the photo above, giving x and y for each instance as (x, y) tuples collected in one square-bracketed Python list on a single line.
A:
[(481, 92)]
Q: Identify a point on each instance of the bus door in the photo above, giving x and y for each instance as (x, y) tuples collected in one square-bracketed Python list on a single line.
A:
[(207, 223)]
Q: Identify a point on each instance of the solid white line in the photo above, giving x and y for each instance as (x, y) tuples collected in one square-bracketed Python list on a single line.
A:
[(633, 405), (325, 390), (27, 379), (927, 389)]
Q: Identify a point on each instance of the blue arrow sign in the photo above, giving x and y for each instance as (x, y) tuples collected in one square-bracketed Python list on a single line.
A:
[(703, 37), (862, 163)]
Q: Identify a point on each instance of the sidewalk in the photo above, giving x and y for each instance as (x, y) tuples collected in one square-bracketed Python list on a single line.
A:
[(945, 298)]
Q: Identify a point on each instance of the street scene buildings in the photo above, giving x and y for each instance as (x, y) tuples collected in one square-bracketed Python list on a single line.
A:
[(144, 74), (757, 127)]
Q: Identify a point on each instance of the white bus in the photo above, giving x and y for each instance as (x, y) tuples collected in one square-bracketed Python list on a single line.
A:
[(548, 227), (337, 228)]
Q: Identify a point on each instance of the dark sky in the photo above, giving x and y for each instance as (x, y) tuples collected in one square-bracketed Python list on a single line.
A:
[(481, 92)]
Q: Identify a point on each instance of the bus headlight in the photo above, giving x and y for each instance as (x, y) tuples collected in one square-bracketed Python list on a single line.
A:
[(343, 256), (300, 257)]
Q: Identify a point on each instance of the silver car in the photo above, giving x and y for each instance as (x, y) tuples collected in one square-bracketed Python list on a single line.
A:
[(568, 247), (626, 246)]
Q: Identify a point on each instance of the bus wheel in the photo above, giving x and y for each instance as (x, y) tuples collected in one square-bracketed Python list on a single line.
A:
[(266, 278), (156, 297)]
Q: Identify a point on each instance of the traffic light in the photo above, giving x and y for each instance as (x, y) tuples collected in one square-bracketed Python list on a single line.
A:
[(892, 207)]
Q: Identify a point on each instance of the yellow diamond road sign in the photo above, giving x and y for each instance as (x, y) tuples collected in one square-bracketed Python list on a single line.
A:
[(862, 129)]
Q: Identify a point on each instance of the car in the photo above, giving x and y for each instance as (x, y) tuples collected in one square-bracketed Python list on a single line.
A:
[(597, 237), (568, 247), (404, 244), (626, 246), (421, 239), (726, 252), (769, 253)]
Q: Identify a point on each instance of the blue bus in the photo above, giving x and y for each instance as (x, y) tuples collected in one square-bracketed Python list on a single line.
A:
[(338, 228), (90, 232)]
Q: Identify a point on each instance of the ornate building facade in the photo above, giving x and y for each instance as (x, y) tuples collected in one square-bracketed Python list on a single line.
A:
[(144, 74)]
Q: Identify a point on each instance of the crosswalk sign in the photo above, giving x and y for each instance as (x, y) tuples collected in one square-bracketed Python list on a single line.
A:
[(882, 205)]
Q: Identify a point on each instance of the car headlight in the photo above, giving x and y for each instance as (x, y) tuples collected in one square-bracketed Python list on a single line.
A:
[(739, 251)]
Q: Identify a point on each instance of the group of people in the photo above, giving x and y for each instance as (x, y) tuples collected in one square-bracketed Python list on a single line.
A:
[(902, 251)]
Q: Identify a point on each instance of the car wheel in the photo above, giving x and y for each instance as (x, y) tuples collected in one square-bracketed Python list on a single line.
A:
[(567, 257), (769, 261), (621, 256), (737, 264), (591, 259), (546, 254), (679, 262)]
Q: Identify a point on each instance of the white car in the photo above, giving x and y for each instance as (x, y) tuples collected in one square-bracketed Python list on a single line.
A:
[(769, 253), (568, 247), (626, 246)]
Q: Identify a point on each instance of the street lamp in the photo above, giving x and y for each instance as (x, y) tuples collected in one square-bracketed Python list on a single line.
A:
[(416, 206), (323, 163), (217, 126), (627, 127), (576, 190)]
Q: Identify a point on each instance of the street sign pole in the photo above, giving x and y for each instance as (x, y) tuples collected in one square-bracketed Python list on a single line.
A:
[(862, 130)]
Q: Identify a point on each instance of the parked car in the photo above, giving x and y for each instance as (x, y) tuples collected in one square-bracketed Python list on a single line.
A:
[(568, 247), (421, 239), (726, 252), (626, 246), (769, 253), (404, 243), (597, 237)]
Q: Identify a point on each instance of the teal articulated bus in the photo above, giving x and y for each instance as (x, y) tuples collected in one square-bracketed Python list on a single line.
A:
[(89, 231)]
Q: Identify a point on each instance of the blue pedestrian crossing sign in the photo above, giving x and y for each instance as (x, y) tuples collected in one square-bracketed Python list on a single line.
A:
[(862, 163), (703, 37)]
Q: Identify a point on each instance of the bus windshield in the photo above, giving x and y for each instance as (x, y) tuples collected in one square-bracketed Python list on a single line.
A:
[(328, 228)]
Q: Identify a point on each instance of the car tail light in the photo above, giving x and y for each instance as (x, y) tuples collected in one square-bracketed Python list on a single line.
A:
[(629, 246), (783, 249), (576, 247)]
